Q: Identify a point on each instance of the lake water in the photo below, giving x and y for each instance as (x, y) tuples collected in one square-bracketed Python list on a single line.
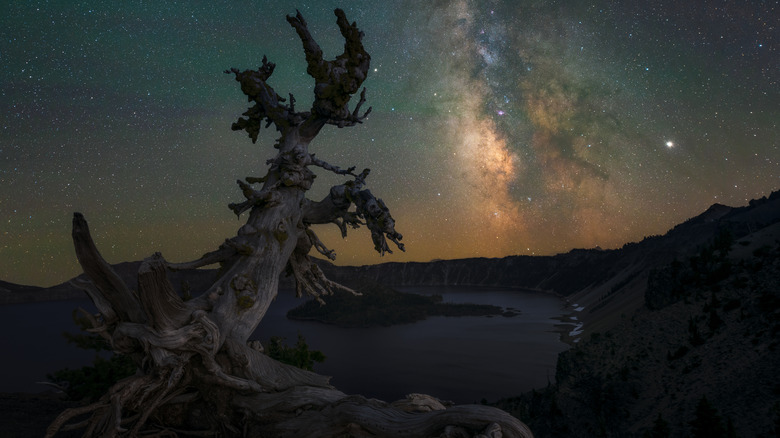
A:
[(462, 359), (32, 344)]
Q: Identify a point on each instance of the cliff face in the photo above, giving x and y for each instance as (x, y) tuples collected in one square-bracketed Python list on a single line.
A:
[(673, 323), (713, 334), (669, 321), (540, 273), (704, 332), (603, 283)]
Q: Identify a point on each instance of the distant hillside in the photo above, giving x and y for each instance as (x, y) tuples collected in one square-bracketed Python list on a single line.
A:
[(680, 330), (603, 283), (383, 306), (194, 280), (703, 350)]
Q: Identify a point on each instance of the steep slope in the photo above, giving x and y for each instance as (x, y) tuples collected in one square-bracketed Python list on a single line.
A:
[(669, 322), (601, 284), (709, 330)]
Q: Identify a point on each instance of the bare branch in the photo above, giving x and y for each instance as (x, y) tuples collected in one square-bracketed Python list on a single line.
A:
[(103, 305), (354, 118), (335, 169), (316, 65), (111, 287), (98, 327), (166, 310), (334, 208), (61, 419), (335, 81), (268, 105), (378, 220), (200, 346), (310, 279), (319, 246), (263, 198), (220, 255)]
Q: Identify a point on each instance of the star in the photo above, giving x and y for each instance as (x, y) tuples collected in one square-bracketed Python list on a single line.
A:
[(122, 112)]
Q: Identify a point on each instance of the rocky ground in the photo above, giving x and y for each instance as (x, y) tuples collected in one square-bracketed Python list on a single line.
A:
[(28, 415), (710, 329)]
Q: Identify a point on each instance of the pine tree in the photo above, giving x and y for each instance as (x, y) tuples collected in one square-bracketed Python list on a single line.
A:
[(660, 429), (708, 423)]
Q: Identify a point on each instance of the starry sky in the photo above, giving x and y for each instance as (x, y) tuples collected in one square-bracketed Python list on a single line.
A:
[(498, 127)]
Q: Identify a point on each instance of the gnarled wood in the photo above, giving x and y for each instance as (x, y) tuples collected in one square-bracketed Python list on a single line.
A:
[(103, 277), (196, 356)]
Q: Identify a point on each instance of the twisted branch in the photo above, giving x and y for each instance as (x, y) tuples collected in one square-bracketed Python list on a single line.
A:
[(310, 279), (337, 80), (200, 346), (334, 208)]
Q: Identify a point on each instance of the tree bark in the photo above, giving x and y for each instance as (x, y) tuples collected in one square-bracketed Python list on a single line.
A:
[(198, 374)]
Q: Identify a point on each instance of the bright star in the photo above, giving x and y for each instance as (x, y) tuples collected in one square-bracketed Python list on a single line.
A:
[(670, 144)]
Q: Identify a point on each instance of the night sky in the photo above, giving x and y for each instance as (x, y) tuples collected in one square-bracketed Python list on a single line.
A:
[(498, 127)]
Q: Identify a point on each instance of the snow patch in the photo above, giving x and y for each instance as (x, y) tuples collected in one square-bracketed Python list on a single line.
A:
[(577, 330)]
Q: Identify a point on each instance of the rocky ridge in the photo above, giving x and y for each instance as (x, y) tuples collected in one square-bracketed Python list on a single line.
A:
[(668, 322), (709, 330)]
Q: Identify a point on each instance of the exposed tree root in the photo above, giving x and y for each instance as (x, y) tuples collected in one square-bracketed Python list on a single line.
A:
[(197, 373)]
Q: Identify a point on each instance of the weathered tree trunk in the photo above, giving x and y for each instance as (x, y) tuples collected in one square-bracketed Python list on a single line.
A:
[(198, 374)]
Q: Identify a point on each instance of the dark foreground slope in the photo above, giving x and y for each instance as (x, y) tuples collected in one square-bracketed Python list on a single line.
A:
[(673, 323), (28, 415), (707, 336)]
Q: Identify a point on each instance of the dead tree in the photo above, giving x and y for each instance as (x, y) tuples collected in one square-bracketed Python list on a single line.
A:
[(198, 372)]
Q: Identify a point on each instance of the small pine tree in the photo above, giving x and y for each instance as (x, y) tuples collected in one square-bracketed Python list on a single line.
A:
[(715, 322), (695, 337), (660, 429), (299, 355), (90, 382), (731, 432), (707, 423)]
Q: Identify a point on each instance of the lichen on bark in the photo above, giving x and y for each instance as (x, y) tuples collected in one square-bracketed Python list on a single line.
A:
[(198, 372)]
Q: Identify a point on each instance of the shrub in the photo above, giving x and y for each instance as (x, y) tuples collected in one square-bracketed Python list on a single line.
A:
[(298, 355)]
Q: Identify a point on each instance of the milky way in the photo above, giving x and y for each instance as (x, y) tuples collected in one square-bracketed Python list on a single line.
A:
[(498, 127)]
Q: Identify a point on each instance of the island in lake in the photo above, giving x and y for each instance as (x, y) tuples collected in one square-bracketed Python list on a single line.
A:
[(383, 306)]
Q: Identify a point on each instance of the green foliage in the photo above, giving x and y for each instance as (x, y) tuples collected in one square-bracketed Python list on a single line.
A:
[(383, 306), (90, 382), (715, 322), (707, 423), (85, 340), (703, 271), (660, 429), (695, 337), (298, 355), (769, 301), (680, 352), (732, 305), (763, 251)]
